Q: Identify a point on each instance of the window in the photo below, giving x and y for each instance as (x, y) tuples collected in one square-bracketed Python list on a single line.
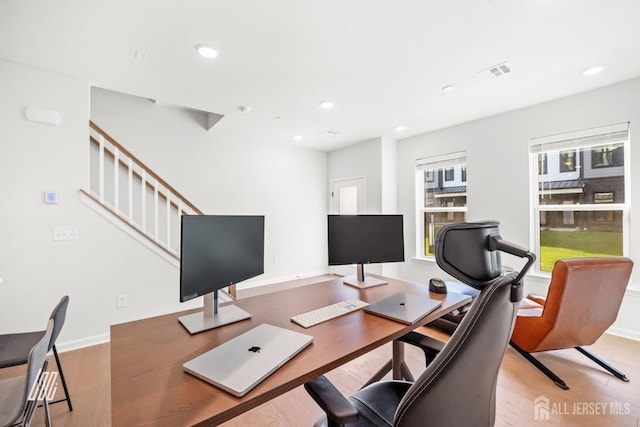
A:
[(567, 161), (441, 197), (448, 174), (580, 196), (605, 157)]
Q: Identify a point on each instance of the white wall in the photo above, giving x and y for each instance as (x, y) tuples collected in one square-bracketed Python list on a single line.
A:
[(286, 184), (376, 161), (356, 161), (498, 173)]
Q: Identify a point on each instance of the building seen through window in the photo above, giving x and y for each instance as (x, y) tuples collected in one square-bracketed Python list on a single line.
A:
[(442, 197), (580, 196)]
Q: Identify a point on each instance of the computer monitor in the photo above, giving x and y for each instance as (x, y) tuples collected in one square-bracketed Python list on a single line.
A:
[(365, 239), (218, 251)]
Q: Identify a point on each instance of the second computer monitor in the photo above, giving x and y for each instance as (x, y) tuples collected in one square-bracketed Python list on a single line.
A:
[(365, 239)]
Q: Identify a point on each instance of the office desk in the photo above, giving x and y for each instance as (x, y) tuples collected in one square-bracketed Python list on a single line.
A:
[(149, 386)]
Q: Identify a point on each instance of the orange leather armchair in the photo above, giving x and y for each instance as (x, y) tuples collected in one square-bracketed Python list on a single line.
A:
[(583, 301)]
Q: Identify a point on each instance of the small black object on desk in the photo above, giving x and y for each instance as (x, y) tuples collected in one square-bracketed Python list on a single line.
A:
[(437, 286)]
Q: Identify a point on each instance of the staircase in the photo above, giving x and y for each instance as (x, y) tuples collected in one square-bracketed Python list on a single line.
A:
[(134, 197)]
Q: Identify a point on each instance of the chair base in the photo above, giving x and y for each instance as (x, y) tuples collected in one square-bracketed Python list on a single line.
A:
[(67, 398), (430, 346), (616, 373), (559, 381)]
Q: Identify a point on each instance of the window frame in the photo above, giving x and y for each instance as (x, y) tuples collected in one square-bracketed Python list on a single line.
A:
[(438, 164), (568, 142)]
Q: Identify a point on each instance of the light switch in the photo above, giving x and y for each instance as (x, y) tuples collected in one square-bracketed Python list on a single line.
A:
[(51, 197), (65, 233)]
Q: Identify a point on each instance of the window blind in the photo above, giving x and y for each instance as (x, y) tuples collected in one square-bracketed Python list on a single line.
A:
[(442, 161), (611, 134)]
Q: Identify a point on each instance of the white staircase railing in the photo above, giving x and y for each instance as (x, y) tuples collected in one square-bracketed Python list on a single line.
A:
[(130, 190)]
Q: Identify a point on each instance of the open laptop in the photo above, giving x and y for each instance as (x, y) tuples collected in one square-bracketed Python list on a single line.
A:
[(403, 307), (243, 362)]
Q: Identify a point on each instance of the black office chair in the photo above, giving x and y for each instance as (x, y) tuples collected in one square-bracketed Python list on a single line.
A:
[(458, 388), (19, 396), (14, 348)]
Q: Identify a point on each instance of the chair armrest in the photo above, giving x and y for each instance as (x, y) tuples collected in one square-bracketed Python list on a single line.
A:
[(426, 343), (333, 403), (537, 298), (430, 346)]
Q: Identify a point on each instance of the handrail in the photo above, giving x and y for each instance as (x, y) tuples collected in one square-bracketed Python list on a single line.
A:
[(139, 177), (150, 172)]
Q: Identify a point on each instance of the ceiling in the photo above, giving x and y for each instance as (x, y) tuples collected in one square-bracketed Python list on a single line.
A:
[(382, 63)]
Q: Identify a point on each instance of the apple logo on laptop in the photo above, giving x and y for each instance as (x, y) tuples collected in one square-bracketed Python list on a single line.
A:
[(255, 349)]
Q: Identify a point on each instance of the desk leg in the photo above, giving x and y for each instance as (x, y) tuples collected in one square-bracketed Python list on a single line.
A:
[(399, 368), (397, 359), (380, 374)]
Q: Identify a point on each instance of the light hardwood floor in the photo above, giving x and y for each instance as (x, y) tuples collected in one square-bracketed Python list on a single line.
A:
[(519, 384)]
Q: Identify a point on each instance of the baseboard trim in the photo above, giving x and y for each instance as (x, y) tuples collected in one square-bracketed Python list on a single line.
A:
[(82, 342), (624, 333), (104, 338), (274, 280)]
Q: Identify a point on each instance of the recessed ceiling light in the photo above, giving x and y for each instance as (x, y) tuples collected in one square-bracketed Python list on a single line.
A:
[(448, 88), (326, 105), (206, 51), (593, 71), (297, 137), (399, 128)]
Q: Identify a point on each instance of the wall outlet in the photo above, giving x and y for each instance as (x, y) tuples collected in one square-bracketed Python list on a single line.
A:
[(65, 233), (121, 301)]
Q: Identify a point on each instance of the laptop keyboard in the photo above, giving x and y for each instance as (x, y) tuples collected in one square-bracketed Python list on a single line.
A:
[(329, 312)]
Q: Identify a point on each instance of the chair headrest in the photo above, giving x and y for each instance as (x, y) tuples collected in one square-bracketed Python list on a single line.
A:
[(470, 252), (462, 250)]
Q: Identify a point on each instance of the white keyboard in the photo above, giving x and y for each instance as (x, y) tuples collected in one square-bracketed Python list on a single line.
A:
[(329, 312)]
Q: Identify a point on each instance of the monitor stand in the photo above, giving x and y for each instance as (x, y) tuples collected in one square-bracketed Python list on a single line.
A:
[(212, 316), (362, 281)]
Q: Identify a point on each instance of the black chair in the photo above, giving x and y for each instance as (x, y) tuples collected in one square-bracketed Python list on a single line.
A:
[(458, 388), (14, 348), (19, 396), (450, 321)]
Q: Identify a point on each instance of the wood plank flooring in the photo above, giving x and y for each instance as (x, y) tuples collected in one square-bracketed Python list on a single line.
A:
[(519, 384), (595, 398)]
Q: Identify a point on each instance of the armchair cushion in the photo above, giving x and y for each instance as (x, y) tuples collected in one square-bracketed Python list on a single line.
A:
[(537, 298), (529, 308), (583, 301)]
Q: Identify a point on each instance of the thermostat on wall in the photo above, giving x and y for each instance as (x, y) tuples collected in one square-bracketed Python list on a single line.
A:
[(51, 197)]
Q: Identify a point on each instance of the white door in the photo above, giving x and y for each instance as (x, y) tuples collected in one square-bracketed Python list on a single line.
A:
[(347, 198)]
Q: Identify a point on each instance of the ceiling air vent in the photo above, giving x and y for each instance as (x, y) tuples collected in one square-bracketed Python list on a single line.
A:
[(496, 70)]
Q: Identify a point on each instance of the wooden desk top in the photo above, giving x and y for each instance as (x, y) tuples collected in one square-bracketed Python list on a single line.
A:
[(150, 388)]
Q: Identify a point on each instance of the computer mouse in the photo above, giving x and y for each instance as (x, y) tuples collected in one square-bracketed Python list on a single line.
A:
[(437, 286)]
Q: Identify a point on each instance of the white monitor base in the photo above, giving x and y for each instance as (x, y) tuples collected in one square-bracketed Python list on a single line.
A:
[(368, 282), (199, 322)]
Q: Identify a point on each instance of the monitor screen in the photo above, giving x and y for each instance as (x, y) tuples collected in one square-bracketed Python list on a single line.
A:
[(365, 239), (218, 251)]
